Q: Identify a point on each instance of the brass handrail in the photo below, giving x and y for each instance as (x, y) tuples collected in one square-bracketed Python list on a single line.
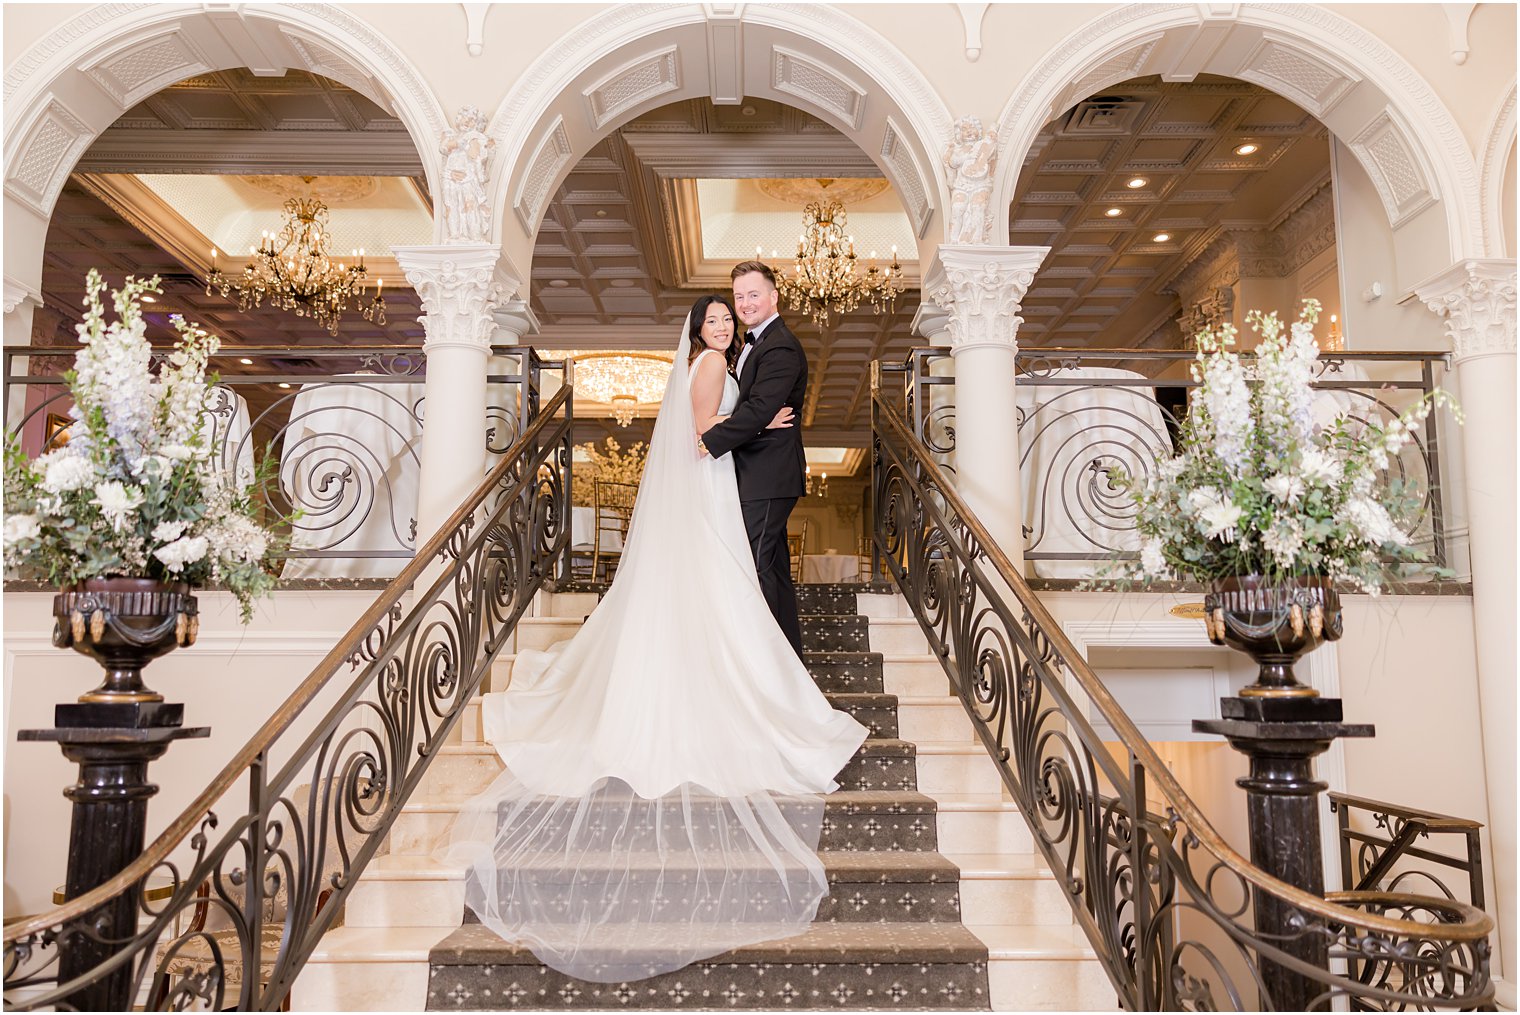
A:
[(450, 541), (936, 500)]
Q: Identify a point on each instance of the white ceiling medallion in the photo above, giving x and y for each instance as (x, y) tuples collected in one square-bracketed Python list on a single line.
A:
[(633, 84), (821, 87), (551, 155), (47, 153), (908, 176), (148, 65), (1281, 65), (1384, 149)]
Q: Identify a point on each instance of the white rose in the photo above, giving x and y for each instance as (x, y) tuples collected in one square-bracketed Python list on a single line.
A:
[(65, 472), (181, 552), (18, 527)]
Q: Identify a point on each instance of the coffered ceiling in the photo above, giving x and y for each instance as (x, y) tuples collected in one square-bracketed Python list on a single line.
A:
[(620, 257), (1117, 245)]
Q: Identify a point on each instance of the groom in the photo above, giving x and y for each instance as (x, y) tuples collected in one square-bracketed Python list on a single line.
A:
[(769, 463)]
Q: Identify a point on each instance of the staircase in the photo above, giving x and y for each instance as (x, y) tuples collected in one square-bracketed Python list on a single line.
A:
[(938, 898)]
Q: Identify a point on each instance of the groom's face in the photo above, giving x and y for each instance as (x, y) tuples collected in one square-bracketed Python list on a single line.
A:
[(755, 298)]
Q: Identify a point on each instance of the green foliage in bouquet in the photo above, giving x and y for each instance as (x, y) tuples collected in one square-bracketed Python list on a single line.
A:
[(135, 491), (1258, 489)]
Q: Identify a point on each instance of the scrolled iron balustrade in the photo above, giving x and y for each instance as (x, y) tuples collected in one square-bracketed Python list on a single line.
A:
[(266, 854), (1167, 904), (1079, 443)]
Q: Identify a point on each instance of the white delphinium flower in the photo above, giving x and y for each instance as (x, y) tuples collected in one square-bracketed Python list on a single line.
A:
[(112, 368), (117, 502), (1226, 400), (181, 552), (181, 386), (64, 471), (1284, 488)]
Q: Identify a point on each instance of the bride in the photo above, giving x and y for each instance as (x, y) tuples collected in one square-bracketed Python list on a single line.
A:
[(662, 797)]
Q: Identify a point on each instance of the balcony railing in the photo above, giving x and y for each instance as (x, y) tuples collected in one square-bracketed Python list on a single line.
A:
[(342, 423), (1082, 413)]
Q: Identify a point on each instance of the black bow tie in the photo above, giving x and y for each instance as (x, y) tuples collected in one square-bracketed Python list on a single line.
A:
[(753, 337)]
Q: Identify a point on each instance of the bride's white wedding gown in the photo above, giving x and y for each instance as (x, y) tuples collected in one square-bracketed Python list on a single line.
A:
[(661, 801)]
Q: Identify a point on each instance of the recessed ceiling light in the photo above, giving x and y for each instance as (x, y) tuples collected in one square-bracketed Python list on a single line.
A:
[(246, 361), (284, 385), (559, 283), (1161, 237), (1137, 182), (1247, 149), (1114, 213), (149, 299)]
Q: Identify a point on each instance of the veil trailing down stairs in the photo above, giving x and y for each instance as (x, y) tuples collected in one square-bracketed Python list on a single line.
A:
[(936, 898)]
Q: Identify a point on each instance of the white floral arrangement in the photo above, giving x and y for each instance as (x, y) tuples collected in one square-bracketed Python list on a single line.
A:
[(1257, 488), (134, 491)]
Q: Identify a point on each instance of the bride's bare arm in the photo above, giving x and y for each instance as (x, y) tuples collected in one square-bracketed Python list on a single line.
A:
[(707, 392)]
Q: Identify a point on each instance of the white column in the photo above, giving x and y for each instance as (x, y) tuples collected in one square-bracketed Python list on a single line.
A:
[(981, 289), (460, 285), (1477, 300), (19, 301)]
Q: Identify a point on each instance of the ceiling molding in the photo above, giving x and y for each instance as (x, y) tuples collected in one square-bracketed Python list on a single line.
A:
[(316, 153), (742, 156)]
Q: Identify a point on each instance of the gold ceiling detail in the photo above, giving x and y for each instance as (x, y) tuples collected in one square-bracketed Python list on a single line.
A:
[(802, 191), (330, 190)]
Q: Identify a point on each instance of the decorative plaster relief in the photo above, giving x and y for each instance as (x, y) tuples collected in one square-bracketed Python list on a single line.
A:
[(18, 294), (1477, 300), (633, 84), (971, 20), (725, 53), (319, 59), (820, 86), (907, 176), (475, 27), (45, 156), (147, 66), (1125, 65), (1281, 65), (550, 156), (1384, 148), (460, 287), (982, 289), (1457, 18)]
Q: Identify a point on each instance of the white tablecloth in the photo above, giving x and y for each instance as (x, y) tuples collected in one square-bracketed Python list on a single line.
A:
[(830, 567), (350, 460), (225, 426), (583, 530), (1067, 506)]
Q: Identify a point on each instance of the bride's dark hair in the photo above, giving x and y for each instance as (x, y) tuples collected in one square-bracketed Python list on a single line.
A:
[(698, 315)]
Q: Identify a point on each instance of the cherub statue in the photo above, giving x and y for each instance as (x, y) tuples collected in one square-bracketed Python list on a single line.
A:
[(466, 149), (969, 161)]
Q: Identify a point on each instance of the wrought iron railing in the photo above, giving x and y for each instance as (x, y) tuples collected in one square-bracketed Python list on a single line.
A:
[(1084, 412), (343, 423), (1167, 904), (264, 857), (1389, 848)]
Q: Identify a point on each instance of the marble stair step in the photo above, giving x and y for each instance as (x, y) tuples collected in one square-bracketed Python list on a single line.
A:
[(869, 820), (1044, 968), (1003, 889), (955, 766), (851, 966)]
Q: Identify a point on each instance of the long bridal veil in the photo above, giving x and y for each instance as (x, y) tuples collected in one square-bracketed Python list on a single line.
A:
[(661, 801)]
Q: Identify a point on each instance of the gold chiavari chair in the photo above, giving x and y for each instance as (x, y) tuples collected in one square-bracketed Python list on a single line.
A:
[(613, 504), (796, 542)]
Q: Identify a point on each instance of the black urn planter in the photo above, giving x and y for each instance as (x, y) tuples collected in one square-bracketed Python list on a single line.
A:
[(1274, 622), (124, 624)]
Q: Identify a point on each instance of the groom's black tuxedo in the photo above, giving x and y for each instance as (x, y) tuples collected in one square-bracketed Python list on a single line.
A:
[(770, 464)]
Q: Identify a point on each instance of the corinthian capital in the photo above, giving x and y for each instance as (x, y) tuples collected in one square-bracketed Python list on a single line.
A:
[(981, 289), (1477, 299), (460, 286)]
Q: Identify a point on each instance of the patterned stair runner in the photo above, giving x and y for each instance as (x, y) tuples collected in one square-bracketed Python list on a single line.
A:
[(888, 936)]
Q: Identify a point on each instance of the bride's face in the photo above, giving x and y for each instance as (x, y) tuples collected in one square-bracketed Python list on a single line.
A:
[(718, 327)]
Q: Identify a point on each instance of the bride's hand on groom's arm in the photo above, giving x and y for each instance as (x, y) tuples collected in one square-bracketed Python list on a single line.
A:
[(783, 420)]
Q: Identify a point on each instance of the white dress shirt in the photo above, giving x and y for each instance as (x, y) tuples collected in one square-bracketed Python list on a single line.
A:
[(758, 333)]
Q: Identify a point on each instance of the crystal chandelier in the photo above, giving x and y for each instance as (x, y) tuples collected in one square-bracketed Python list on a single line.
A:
[(826, 280), (622, 380), (293, 271)]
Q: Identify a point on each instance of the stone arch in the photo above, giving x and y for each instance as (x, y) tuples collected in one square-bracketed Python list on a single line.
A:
[(1498, 151), (1364, 92), (636, 57), (81, 77)]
